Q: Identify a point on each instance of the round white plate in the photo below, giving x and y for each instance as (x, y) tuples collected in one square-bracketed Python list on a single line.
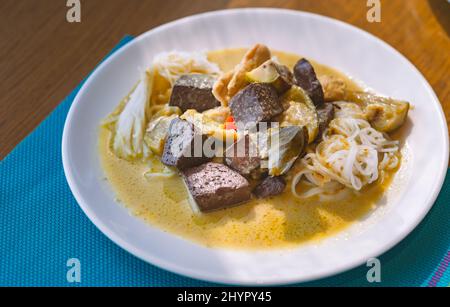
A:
[(328, 41)]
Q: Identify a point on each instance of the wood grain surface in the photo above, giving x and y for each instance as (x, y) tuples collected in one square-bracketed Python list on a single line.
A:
[(43, 57)]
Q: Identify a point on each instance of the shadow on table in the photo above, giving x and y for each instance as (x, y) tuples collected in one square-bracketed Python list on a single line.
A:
[(441, 9)]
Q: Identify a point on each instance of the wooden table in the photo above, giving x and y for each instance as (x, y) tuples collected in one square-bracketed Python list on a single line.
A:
[(43, 57)]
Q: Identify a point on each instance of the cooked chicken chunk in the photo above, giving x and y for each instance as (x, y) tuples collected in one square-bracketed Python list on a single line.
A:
[(252, 59), (232, 82), (333, 88), (220, 88)]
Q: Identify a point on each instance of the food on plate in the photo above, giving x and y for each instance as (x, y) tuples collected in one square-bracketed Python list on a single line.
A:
[(211, 122), (128, 121), (255, 103), (280, 147), (325, 113), (384, 114), (273, 73), (305, 77), (214, 186), (299, 110), (233, 81), (334, 88), (243, 156), (156, 134), (194, 91), (179, 148), (250, 148), (270, 186)]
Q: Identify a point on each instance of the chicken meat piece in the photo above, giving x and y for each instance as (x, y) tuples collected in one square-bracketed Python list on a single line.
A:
[(333, 88), (220, 88), (233, 81), (252, 59)]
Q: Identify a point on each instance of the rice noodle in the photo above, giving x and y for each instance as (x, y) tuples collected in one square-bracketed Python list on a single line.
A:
[(351, 155), (172, 65)]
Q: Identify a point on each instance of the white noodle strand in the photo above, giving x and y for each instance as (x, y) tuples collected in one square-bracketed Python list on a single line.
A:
[(351, 156)]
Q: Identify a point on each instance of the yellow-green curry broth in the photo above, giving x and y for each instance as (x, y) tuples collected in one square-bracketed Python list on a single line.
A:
[(280, 221)]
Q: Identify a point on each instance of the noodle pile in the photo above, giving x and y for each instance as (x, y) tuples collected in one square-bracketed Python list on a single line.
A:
[(171, 65), (351, 155)]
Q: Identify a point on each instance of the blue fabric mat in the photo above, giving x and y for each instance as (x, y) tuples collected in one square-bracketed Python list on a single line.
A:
[(42, 227)]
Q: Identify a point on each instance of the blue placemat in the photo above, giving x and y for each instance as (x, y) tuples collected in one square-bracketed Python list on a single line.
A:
[(42, 227)]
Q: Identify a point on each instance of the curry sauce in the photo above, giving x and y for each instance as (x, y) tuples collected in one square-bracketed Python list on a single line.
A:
[(275, 222)]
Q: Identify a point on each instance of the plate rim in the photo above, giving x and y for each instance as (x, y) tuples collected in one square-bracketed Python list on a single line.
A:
[(187, 272)]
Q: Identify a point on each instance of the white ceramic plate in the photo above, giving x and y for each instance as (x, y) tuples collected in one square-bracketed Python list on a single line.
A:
[(329, 41)]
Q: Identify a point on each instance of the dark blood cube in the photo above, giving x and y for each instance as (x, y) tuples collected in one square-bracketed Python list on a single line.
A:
[(257, 102), (194, 91), (242, 156), (214, 186), (184, 145)]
